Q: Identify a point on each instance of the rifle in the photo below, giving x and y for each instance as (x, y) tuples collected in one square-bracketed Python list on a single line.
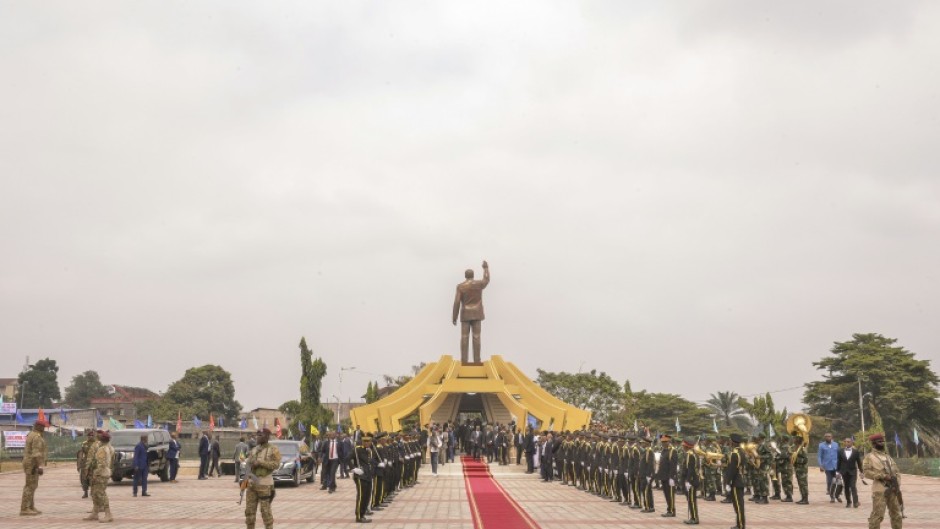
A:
[(892, 485), (249, 477)]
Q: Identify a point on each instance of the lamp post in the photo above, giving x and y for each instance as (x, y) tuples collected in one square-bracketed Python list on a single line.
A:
[(337, 410), (23, 393), (861, 400)]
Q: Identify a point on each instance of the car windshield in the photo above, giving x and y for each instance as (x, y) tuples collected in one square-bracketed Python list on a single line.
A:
[(287, 449), (125, 438)]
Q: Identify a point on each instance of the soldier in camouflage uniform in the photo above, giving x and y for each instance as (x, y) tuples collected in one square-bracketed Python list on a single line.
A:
[(800, 468), (711, 470), (82, 460), (100, 472), (885, 488), (34, 459), (262, 461), (763, 472), (785, 468)]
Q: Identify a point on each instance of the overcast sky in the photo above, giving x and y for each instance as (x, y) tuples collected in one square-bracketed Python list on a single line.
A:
[(697, 196)]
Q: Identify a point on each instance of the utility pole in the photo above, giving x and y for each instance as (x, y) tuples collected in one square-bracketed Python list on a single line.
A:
[(861, 407)]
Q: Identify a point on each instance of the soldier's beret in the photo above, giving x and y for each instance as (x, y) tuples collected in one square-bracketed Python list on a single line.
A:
[(737, 438), (105, 434), (689, 441), (876, 437)]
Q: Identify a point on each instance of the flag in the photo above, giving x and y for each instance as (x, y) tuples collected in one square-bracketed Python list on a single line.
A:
[(300, 426), (897, 439), (42, 417), (714, 425), (196, 422), (770, 431), (255, 421), (211, 423), (636, 427), (339, 428), (114, 425), (19, 417), (221, 422), (98, 419), (149, 421), (916, 438), (244, 424), (277, 428), (63, 416), (73, 434), (314, 430), (290, 433), (179, 421), (678, 426), (138, 424)]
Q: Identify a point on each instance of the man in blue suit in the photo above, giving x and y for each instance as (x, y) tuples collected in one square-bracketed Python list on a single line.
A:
[(141, 466), (828, 458), (204, 451)]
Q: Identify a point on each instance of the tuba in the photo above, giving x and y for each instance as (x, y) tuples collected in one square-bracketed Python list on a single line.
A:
[(712, 458), (800, 424), (750, 452)]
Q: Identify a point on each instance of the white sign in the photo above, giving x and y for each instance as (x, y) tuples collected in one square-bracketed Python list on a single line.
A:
[(14, 439), (8, 407)]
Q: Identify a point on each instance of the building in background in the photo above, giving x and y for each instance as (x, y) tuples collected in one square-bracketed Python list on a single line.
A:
[(121, 403)]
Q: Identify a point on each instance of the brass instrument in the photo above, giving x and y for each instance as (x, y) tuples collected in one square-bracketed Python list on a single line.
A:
[(712, 458), (750, 452), (774, 448), (800, 424)]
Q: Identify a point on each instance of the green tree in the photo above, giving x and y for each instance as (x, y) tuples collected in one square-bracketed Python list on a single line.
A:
[(593, 391), (312, 371), (658, 412), (762, 410), (393, 383), (903, 388), (291, 408), (372, 392), (39, 385), (201, 391), (728, 411), (84, 387)]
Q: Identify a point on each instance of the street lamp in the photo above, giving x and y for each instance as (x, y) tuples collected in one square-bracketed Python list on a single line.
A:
[(23, 393), (861, 399), (337, 409)]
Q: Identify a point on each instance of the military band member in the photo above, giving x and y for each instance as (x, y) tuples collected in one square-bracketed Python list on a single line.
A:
[(262, 461), (100, 472), (800, 468), (712, 470), (785, 468), (734, 479), (34, 460), (690, 478), (763, 470), (363, 473), (667, 473)]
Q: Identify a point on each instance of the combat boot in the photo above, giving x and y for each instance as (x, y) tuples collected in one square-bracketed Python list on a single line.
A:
[(775, 496), (93, 517), (788, 499), (107, 517), (803, 501), (34, 510)]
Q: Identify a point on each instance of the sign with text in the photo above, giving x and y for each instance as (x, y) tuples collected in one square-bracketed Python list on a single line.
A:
[(8, 407), (14, 439)]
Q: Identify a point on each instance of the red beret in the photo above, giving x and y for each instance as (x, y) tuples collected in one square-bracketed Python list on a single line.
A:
[(42, 422), (876, 437), (105, 434)]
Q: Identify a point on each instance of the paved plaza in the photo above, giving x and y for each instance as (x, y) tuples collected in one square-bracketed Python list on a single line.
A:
[(436, 503)]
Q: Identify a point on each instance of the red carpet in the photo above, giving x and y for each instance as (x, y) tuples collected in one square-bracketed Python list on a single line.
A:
[(491, 506)]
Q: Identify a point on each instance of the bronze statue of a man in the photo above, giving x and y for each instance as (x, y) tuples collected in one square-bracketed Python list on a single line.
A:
[(470, 297)]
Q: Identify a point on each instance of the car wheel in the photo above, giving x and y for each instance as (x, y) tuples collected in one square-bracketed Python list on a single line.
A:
[(310, 477), (117, 479), (165, 473)]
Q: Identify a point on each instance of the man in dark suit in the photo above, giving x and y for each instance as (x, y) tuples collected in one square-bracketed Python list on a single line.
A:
[(204, 452), (141, 466), (528, 444), (517, 442), (850, 464), (332, 452)]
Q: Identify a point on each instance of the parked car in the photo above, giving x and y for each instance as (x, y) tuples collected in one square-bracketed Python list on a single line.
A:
[(297, 463), (124, 441)]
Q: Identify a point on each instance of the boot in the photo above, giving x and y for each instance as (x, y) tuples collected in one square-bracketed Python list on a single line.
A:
[(803, 501), (788, 499), (93, 517), (34, 510), (775, 496), (85, 495), (107, 517)]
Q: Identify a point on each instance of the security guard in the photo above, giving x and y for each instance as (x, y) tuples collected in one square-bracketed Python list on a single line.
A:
[(262, 461), (34, 459)]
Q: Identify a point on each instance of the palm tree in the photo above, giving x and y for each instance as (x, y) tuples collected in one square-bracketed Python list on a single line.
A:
[(728, 411)]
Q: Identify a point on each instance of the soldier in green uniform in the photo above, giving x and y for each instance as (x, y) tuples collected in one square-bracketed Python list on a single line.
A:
[(100, 472), (711, 470), (646, 473), (800, 468), (262, 461), (785, 468), (34, 459), (762, 472), (82, 460), (363, 468)]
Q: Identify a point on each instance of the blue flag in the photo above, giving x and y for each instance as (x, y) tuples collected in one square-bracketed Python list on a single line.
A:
[(897, 440), (244, 424), (149, 421), (339, 428), (138, 424), (73, 434), (99, 419), (300, 426), (19, 417), (63, 416), (221, 422), (196, 422)]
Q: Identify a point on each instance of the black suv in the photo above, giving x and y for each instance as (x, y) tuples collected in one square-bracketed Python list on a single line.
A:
[(124, 441)]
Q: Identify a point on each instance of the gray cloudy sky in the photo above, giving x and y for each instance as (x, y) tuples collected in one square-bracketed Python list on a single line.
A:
[(697, 196)]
